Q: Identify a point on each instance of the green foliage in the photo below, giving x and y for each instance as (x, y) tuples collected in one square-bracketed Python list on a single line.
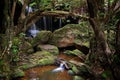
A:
[(116, 59), (18, 73), (45, 4), (106, 74), (16, 41), (22, 35), (15, 51), (1, 62), (32, 4)]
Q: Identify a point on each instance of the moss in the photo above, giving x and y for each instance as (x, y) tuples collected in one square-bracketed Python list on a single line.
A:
[(74, 52), (27, 66), (71, 72), (71, 30), (106, 74), (26, 47), (42, 37), (18, 73), (42, 53), (78, 78), (75, 70), (39, 58), (50, 48), (16, 41), (46, 61)]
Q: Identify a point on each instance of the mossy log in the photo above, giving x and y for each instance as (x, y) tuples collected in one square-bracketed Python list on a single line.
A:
[(35, 16)]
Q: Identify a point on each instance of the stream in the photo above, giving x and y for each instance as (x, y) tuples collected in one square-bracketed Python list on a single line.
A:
[(45, 72)]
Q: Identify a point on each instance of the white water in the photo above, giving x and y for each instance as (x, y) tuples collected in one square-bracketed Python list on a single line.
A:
[(33, 31), (29, 9), (61, 68)]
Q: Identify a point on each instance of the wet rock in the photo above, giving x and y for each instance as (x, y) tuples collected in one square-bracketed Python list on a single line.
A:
[(50, 48), (68, 35), (70, 72), (78, 78), (42, 37)]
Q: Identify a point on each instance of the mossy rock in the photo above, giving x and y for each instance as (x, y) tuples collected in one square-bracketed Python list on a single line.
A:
[(46, 61), (18, 73), (70, 72), (74, 52), (39, 58), (42, 37), (26, 47), (75, 69), (68, 35), (50, 48), (78, 78), (42, 58)]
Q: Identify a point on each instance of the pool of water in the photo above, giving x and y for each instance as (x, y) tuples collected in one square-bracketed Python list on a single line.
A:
[(45, 72)]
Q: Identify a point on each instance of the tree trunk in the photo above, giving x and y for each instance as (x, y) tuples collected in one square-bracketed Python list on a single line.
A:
[(103, 52)]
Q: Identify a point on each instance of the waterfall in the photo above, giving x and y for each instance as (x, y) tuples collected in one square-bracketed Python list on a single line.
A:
[(45, 23), (60, 68), (29, 9), (33, 27), (50, 23), (32, 32), (60, 23)]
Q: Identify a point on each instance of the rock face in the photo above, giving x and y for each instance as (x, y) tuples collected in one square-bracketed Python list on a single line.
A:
[(68, 35), (50, 48)]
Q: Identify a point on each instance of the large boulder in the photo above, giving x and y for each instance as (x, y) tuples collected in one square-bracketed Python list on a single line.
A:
[(42, 37), (69, 35), (50, 48), (39, 58)]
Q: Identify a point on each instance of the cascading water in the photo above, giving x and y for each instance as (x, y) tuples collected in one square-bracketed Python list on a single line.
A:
[(32, 32), (29, 9), (45, 23), (60, 23), (60, 68)]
